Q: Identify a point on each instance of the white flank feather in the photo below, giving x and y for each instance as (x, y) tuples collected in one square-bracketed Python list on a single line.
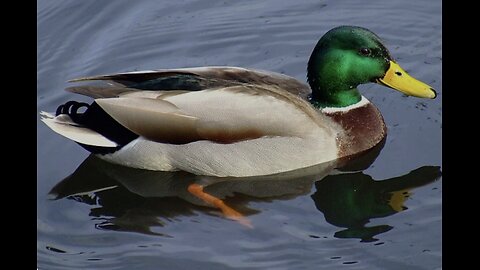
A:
[(294, 139)]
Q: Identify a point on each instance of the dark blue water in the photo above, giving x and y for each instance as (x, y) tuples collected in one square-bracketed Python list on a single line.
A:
[(386, 216)]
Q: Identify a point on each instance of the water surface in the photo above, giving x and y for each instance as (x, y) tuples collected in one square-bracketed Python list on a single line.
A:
[(111, 218)]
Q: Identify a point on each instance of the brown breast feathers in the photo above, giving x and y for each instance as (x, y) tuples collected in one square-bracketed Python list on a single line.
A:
[(364, 128)]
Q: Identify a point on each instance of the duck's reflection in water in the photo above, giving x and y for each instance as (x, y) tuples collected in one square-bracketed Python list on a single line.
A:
[(128, 199), (351, 200)]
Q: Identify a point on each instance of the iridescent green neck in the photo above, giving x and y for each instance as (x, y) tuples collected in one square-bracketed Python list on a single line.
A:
[(331, 81), (335, 98)]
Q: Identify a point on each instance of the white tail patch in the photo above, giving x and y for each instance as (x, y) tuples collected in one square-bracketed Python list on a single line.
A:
[(64, 126)]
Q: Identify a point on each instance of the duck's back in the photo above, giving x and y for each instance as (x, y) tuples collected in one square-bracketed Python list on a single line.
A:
[(189, 79)]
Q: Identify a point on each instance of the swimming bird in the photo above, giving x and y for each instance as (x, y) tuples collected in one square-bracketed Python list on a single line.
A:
[(237, 122), (230, 121)]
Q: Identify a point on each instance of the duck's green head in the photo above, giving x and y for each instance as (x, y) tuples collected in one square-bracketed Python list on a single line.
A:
[(347, 56)]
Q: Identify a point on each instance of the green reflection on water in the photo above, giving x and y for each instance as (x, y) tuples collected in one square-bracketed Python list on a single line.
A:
[(351, 200)]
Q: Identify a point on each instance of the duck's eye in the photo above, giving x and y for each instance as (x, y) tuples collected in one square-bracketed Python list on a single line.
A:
[(365, 51)]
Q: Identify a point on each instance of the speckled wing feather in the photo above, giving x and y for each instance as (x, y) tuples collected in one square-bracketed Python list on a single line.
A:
[(100, 91)]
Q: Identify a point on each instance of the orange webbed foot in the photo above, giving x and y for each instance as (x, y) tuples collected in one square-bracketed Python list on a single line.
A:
[(197, 191)]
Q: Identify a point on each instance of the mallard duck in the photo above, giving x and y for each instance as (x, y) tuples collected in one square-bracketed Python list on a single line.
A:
[(238, 122)]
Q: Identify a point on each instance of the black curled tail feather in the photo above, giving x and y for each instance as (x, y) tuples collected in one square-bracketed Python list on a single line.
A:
[(96, 119)]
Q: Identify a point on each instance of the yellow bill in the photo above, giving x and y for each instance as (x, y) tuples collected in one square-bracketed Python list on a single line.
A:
[(398, 79)]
